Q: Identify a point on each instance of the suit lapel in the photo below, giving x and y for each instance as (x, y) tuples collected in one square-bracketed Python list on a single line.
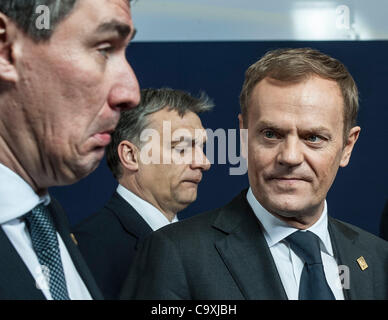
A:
[(63, 229), (347, 250), (129, 218), (16, 280), (246, 254)]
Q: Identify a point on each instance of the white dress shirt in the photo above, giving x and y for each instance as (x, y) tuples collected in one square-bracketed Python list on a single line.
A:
[(288, 264), (154, 218), (16, 199)]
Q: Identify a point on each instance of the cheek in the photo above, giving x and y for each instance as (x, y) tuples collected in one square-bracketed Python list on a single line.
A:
[(161, 177), (75, 106), (176, 172), (80, 78), (325, 167), (153, 177), (260, 158), (83, 92)]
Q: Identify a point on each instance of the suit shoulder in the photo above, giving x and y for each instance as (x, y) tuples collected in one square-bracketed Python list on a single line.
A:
[(99, 222), (205, 223), (198, 222), (365, 237)]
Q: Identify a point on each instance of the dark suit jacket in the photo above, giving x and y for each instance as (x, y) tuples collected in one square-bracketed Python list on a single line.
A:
[(108, 241), (384, 223), (16, 281), (223, 254)]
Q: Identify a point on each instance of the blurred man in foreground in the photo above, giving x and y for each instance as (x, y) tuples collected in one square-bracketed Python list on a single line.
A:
[(62, 90)]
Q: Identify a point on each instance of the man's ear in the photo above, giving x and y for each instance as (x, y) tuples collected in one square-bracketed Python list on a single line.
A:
[(350, 142), (128, 154), (8, 32)]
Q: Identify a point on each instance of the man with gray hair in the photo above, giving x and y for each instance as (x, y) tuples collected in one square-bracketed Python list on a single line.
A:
[(64, 80), (157, 177)]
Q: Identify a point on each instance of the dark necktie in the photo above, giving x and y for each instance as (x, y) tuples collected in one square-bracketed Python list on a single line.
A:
[(313, 284), (45, 244)]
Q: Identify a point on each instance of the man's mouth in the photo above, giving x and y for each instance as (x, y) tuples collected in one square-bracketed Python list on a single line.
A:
[(103, 138), (289, 179), (193, 180)]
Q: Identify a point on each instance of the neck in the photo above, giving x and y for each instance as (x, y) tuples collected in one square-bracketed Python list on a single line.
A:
[(8, 159), (136, 188), (16, 143)]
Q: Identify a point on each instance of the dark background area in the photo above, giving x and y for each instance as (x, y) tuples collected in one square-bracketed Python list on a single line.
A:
[(360, 190)]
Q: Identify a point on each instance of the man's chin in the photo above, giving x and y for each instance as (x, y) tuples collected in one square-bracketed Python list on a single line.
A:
[(293, 209), (188, 197), (80, 170), (288, 208)]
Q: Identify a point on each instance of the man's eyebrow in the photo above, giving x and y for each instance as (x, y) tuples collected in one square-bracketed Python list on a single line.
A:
[(183, 139), (115, 26), (269, 125), (319, 129), (310, 130)]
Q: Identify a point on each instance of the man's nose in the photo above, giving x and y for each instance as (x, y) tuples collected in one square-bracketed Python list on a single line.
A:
[(290, 152), (125, 92), (200, 161)]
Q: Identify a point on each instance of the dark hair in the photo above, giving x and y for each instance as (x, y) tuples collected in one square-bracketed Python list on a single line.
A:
[(294, 65), (23, 13), (133, 122)]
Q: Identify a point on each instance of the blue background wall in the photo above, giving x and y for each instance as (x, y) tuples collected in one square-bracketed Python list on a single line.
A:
[(359, 191)]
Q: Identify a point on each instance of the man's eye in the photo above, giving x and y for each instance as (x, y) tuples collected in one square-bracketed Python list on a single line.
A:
[(314, 139), (269, 134), (180, 149), (105, 50)]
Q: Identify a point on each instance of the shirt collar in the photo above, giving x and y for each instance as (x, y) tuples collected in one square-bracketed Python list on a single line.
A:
[(16, 196), (276, 230), (154, 217)]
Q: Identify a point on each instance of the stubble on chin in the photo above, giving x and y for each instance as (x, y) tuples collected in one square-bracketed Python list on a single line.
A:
[(299, 216)]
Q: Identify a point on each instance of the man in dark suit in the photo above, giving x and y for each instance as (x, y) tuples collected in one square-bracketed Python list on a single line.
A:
[(276, 240), (62, 84), (157, 179)]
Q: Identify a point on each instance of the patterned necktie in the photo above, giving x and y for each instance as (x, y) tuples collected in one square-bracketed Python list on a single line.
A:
[(45, 244), (313, 284)]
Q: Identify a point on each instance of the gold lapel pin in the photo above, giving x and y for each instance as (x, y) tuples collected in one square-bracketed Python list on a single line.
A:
[(72, 236), (362, 263)]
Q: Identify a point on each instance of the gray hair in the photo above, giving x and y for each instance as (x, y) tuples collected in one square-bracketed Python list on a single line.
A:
[(133, 122), (23, 13)]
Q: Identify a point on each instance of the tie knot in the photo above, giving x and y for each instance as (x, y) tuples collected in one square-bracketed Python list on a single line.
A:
[(306, 245), (40, 215)]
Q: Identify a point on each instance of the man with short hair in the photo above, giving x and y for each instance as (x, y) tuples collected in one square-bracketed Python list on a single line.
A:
[(62, 90), (157, 177), (276, 240)]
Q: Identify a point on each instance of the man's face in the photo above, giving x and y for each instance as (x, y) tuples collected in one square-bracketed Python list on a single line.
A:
[(172, 184), (72, 89), (295, 144)]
